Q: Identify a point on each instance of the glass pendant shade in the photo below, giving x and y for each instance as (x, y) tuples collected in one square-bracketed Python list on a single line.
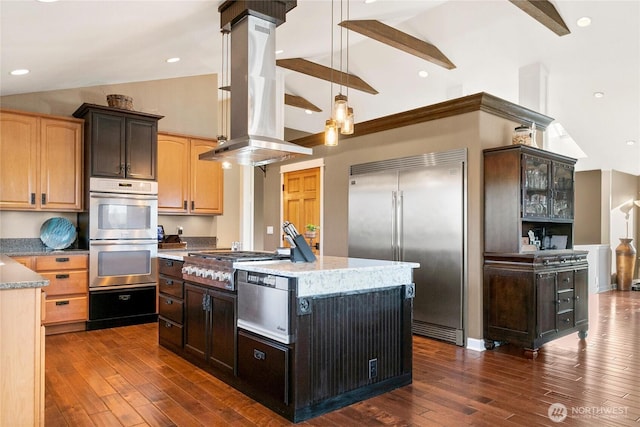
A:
[(340, 109), (347, 125), (330, 133)]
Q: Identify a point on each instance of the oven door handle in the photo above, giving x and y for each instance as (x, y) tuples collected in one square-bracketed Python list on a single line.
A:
[(94, 195), (123, 242)]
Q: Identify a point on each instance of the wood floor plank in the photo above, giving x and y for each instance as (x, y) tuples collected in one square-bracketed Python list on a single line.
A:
[(140, 383)]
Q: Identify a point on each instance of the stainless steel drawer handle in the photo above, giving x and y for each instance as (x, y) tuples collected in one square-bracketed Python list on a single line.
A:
[(168, 325), (259, 355), (124, 297), (168, 301), (62, 302)]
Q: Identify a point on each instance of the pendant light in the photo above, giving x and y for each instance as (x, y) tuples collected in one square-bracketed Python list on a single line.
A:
[(331, 127), (347, 125), (340, 104)]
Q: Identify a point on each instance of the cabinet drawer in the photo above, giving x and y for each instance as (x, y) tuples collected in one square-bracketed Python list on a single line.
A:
[(265, 365), (61, 262), (565, 301), (65, 283), (170, 308), (169, 332), (565, 280), (170, 267), (564, 320), (66, 310), (170, 286)]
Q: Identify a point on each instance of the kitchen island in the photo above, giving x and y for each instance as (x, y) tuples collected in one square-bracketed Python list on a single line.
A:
[(347, 328), (22, 344)]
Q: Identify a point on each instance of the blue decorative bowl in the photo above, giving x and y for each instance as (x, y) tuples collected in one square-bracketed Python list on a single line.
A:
[(57, 233)]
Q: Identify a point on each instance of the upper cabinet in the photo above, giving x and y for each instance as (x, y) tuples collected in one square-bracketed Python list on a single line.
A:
[(40, 162), (120, 143), (526, 190), (186, 184)]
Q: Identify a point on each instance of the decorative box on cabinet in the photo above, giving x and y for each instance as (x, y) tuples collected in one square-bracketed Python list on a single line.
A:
[(186, 184), (170, 303), (40, 162), (120, 143), (531, 299), (526, 189), (67, 293)]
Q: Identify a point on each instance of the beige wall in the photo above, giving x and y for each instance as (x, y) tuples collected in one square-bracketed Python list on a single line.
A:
[(588, 216), (189, 106), (624, 190), (474, 131)]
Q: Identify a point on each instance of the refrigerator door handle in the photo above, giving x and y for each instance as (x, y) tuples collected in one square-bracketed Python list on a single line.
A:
[(399, 226), (394, 215)]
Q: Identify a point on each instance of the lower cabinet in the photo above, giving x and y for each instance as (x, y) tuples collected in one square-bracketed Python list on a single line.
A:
[(170, 303), (529, 301), (210, 326), (66, 304)]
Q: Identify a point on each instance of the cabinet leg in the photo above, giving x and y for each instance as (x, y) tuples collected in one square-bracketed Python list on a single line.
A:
[(530, 353), (582, 334)]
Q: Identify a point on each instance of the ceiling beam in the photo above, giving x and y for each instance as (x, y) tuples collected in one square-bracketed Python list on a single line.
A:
[(400, 40), (325, 73), (544, 12), (299, 102)]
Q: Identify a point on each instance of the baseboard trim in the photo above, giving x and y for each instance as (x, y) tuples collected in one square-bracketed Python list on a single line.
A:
[(475, 344)]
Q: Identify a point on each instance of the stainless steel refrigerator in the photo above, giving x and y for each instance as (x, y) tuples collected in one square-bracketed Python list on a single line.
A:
[(414, 209)]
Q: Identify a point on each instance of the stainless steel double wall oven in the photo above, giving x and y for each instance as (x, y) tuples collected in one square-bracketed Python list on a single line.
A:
[(120, 231)]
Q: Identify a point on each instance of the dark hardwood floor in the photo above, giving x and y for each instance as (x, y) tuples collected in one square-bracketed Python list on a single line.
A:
[(121, 376)]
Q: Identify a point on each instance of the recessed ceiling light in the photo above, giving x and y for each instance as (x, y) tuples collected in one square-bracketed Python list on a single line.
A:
[(20, 72), (631, 142), (369, 1), (598, 95), (585, 21), (279, 51), (172, 60), (423, 73), (308, 111), (47, 1)]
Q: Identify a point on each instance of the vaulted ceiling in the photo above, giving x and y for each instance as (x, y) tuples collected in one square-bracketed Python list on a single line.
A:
[(484, 43)]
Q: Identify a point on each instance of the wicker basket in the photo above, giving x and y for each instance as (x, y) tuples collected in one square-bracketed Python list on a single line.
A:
[(120, 101)]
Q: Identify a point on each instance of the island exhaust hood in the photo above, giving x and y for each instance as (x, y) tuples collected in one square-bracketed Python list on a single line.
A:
[(254, 102)]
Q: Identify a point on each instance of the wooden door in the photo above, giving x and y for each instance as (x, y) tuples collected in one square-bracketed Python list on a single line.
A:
[(173, 173), (206, 180), (301, 200), (107, 145), (196, 317), (223, 330), (142, 149), (18, 161), (61, 165)]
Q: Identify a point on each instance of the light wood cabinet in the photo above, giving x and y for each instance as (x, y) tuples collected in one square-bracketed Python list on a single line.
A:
[(40, 162), (187, 185), (66, 305), (21, 358)]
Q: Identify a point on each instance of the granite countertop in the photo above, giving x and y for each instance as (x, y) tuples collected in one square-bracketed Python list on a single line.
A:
[(14, 275), (329, 275)]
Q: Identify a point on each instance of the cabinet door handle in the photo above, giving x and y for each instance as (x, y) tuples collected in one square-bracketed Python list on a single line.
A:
[(43, 198), (62, 276), (204, 302), (184, 205), (567, 320), (169, 282), (566, 279), (62, 302), (259, 355), (577, 297), (193, 205), (128, 168), (33, 198), (121, 171), (62, 259)]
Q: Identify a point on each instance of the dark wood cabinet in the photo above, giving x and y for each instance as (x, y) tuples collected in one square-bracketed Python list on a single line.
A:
[(527, 189), (534, 291), (170, 303), (120, 143), (210, 326)]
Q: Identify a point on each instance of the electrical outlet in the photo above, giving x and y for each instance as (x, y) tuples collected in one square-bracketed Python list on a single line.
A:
[(373, 368), (179, 230)]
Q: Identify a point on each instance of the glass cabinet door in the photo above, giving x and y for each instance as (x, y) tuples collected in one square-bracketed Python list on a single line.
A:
[(535, 191), (562, 191)]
